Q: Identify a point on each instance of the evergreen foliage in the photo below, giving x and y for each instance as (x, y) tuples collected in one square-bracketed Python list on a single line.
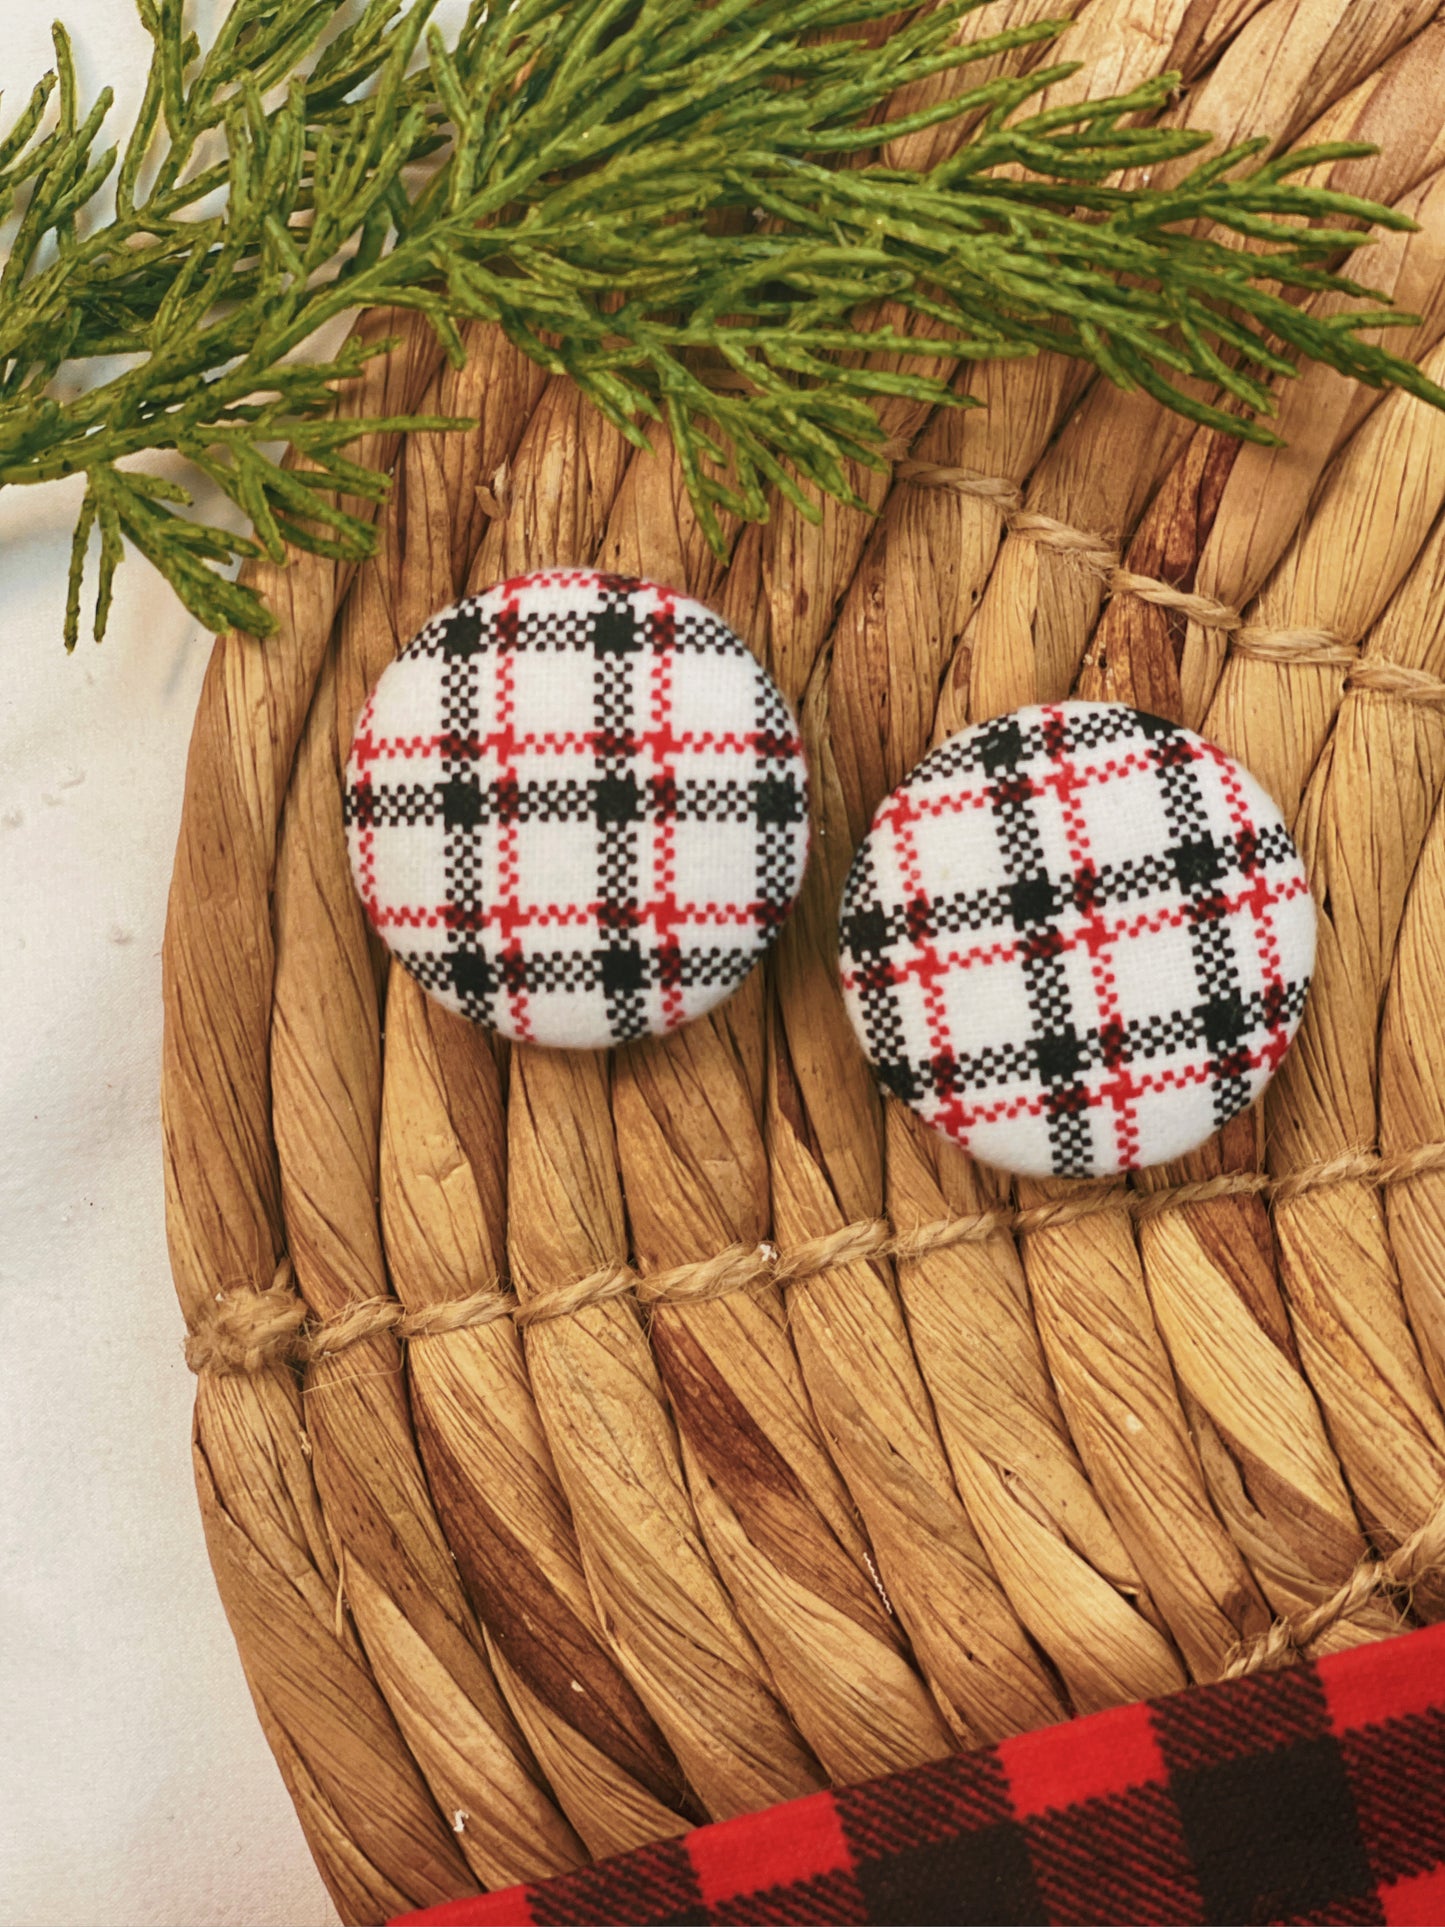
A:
[(578, 171)]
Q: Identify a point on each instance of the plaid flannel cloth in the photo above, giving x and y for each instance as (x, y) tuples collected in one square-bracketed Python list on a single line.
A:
[(1312, 1795)]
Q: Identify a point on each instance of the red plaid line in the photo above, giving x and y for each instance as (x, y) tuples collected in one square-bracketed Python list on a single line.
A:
[(1313, 1795), (1077, 939), (577, 808)]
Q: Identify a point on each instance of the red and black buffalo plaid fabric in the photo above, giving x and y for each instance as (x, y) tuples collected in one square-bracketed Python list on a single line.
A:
[(1311, 1795), (1077, 939)]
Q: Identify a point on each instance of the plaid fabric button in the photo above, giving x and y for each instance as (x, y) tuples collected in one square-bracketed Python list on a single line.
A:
[(576, 809), (1077, 940)]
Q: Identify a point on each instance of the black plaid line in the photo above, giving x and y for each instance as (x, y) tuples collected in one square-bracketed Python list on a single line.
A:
[(1162, 1034), (1002, 747), (432, 972), (457, 804), (774, 860), (953, 759), (866, 937), (1113, 885), (1272, 847), (1232, 1023), (555, 799), (544, 632), (618, 639), (778, 804), (385, 806), (969, 910), (556, 971), (1216, 964), (1193, 852), (1002, 907), (702, 968), (1060, 1053), (772, 800), (1021, 845), (1005, 1063), (1199, 865), (695, 632), (1095, 729)]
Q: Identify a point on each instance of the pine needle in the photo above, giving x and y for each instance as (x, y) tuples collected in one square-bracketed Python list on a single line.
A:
[(558, 167)]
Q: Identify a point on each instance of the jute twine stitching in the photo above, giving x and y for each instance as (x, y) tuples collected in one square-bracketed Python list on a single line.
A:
[(1301, 647), (249, 1330), (1415, 1559)]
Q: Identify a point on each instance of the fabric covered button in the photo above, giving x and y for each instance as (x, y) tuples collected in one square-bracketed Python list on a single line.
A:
[(576, 809), (1077, 940)]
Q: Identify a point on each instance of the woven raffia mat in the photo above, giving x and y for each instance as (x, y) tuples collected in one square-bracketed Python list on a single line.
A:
[(587, 1446)]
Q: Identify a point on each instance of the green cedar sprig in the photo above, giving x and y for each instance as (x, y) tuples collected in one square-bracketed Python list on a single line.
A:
[(575, 171)]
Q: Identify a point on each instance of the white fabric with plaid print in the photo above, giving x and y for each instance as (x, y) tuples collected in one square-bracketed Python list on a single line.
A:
[(1077, 940), (576, 809)]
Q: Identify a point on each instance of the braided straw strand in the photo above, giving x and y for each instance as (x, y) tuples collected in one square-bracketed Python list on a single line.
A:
[(403, 1586), (379, 1841), (1291, 725)]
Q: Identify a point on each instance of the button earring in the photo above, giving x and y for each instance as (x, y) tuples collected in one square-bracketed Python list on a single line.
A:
[(1077, 939), (576, 809)]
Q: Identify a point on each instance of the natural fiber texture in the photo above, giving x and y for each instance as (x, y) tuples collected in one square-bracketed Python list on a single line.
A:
[(590, 1445), (251, 1330)]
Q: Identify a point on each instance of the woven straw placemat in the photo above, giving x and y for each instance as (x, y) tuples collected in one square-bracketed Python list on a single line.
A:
[(590, 1445)]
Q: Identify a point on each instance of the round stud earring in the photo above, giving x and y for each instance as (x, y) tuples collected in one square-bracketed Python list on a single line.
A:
[(576, 809), (1077, 939)]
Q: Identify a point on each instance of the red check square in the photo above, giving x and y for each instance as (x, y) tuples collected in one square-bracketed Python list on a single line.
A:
[(1111, 1753), (796, 1842)]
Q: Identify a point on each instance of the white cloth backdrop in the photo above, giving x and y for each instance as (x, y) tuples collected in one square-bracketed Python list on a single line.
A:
[(136, 1789)]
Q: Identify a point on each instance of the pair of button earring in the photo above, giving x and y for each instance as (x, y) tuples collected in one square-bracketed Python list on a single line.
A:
[(1076, 939)]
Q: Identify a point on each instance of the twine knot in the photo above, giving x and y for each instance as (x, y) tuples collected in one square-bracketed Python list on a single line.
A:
[(249, 1329)]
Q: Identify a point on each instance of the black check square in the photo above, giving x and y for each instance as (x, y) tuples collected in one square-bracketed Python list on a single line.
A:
[(1273, 1836), (972, 1880)]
